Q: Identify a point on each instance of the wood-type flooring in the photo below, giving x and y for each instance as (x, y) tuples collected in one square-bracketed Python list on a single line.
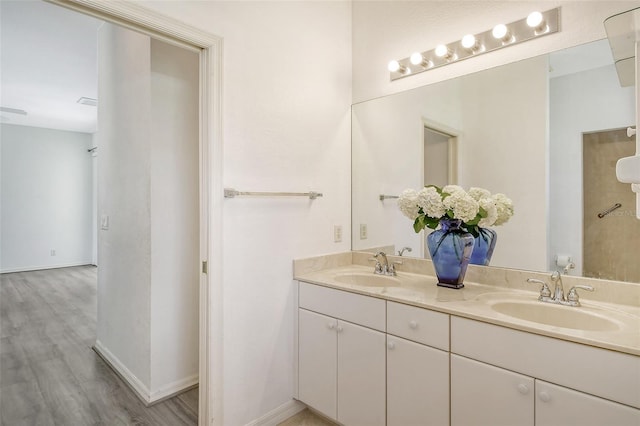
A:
[(49, 374)]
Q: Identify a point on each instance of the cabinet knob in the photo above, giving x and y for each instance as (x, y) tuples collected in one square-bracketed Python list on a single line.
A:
[(331, 326), (413, 324), (339, 328), (544, 396), (523, 389), (391, 345)]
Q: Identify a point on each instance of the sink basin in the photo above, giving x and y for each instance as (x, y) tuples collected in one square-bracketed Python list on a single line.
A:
[(578, 318), (367, 279), (528, 308)]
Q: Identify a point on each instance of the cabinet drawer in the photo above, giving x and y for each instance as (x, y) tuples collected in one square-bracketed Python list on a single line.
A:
[(355, 308), (608, 374), (417, 324)]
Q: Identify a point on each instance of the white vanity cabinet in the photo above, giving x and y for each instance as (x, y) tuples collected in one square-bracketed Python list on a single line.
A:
[(417, 384), (342, 364), (418, 370), (498, 374), (559, 406), (482, 394), (364, 361)]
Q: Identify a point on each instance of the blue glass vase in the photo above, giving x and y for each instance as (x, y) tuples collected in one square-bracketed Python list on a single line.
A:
[(483, 247), (450, 248)]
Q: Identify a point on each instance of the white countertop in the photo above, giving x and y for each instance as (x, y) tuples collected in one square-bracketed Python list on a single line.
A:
[(420, 290)]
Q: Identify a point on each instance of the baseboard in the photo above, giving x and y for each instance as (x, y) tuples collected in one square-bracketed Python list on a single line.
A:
[(146, 396), (41, 268), (173, 389), (123, 372), (279, 414)]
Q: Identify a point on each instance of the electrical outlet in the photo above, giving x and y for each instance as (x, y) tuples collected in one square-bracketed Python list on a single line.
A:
[(53, 252), (337, 233), (363, 231)]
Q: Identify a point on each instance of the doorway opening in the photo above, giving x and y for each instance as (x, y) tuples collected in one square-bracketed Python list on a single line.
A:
[(209, 164), (440, 154)]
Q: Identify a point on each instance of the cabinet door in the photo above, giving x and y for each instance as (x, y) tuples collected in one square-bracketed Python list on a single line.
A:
[(559, 406), (417, 384), (317, 363), (483, 395), (361, 375)]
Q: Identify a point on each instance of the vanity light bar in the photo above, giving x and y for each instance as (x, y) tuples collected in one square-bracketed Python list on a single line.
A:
[(537, 24)]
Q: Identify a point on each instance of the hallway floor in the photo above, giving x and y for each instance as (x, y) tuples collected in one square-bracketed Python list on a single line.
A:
[(49, 375)]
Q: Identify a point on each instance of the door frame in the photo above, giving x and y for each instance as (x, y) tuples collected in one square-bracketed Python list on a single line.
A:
[(210, 48)]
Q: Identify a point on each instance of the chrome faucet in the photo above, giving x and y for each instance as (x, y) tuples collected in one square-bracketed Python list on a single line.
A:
[(558, 297), (558, 291), (384, 268)]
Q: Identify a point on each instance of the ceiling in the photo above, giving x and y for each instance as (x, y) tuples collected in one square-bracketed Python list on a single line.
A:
[(48, 60)]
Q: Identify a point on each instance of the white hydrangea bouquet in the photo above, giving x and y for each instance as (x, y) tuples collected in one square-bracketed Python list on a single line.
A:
[(477, 208)]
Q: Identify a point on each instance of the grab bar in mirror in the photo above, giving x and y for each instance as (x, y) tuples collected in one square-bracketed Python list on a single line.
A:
[(232, 193), (387, 197), (609, 210)]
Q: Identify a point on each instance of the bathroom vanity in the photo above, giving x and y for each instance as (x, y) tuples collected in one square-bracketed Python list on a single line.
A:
[(376, 350)]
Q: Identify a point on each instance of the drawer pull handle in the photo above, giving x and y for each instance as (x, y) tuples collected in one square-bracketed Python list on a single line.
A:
[(413, 324), (544, 396), (331, 326), (339, 329), (523, 389), (391, 345)]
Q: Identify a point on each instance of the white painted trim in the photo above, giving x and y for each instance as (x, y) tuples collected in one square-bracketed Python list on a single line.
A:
[(41, 268), (296, 328), (279, 414), (121, 370), (170, 30), (143, 392), (172, 389)]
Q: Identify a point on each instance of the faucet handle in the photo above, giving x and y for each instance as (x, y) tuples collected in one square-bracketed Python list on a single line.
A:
[(378, 267), (544, 291), (392, 266), (572, 296)]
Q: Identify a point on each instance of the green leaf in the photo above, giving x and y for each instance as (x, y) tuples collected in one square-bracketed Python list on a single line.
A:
[(418, 224), (431, 222), (472, 229)]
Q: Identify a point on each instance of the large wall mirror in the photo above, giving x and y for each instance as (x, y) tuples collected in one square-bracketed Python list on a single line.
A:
[(545, 131)]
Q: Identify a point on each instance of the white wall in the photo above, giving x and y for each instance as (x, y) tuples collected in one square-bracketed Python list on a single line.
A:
[(148, 280), (174, 217), (576, 107), (386, 30), (287, 97), (124, 250), (46, 198)]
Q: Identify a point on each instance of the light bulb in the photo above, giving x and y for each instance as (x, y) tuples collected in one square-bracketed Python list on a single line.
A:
[(468, 41), (442, 50), (416, 58), (499, 31), (393, 66), (534, 20)]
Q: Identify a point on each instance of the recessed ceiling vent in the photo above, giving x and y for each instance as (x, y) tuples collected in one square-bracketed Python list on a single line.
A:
[(13, 110), (88, 101)]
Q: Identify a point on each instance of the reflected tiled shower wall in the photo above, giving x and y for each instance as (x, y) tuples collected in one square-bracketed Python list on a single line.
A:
[(610, 242)]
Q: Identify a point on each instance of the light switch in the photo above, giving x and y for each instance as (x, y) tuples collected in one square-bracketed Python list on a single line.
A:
[(337, 233), (104, 222)]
